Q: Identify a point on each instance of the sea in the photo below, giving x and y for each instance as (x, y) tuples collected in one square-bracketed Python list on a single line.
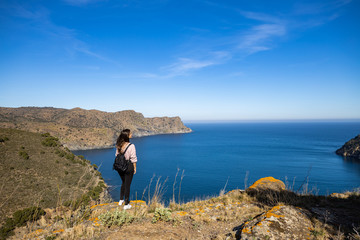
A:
[(219, 157)]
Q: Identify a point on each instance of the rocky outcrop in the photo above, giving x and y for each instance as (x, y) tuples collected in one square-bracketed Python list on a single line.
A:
[(351, 149), (267, 183), (280, 222), (87, 129)]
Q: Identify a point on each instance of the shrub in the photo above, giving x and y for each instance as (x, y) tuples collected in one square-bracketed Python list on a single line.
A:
[(46, 135), (162, 214), (20, 218), (50, 141), (24, 155), (95, 166), (4, 139), (70, 156), (116, 218), (28, 214)]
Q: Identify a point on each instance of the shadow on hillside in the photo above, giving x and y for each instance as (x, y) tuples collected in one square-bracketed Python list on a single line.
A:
[(341, 211)]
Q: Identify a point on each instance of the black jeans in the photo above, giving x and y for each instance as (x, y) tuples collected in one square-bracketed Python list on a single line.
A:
[(126, 178)]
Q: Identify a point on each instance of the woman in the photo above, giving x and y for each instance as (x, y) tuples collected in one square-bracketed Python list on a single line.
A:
[(123, 145)]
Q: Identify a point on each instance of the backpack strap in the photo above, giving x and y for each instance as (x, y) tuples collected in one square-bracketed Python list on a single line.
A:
[(127, 148)]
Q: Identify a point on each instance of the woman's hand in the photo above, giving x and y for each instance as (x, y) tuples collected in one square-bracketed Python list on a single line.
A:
[(134, 170), (134, 167)]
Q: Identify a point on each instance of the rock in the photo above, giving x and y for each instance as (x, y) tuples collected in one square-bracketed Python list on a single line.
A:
[(281, 222), (267, 183), (351, 149)]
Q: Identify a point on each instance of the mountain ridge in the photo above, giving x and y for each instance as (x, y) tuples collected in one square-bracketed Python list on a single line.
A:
[(78, 128)]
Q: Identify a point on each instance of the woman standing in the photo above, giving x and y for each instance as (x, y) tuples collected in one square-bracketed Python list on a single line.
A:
[(123, 145)]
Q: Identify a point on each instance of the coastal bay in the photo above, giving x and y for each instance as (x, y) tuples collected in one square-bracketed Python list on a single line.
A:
[(237, 154)]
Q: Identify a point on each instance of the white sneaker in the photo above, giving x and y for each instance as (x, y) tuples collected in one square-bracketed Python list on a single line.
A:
[(126, 207), (121, 202)]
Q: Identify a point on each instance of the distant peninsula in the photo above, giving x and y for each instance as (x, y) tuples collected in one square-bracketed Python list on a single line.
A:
[(351, 148), (87, 129)]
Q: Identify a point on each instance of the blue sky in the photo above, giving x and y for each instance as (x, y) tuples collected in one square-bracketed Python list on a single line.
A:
[(199, 59)]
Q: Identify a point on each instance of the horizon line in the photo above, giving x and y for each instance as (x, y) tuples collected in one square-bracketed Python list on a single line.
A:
[(274, 120)]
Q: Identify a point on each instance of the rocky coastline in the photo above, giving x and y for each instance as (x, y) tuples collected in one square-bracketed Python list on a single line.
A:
[(80, 129), (351, 149)]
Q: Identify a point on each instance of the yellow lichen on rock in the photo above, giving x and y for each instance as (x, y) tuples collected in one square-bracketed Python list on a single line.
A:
[(268, 183), (58, 231), (271, 213), (182, 213), (98, 205)]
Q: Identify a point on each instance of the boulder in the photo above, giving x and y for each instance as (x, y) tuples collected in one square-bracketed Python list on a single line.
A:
[(281, 222), (267, 183)]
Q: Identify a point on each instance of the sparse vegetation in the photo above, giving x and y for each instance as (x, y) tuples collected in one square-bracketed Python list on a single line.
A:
[(24, 155), (116, 218), (162, 214), (35, 181)]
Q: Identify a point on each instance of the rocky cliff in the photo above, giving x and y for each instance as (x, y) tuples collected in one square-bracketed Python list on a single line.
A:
[(87, 129), (351, 148)]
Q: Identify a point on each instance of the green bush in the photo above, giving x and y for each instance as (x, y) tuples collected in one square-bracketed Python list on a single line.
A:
[(24, 155), (50, 142), (4, 139), (20, 218), (46, 135), (162, 214), (95, 166), (28, 214), (70, 156), (116, 218), (7, 229)]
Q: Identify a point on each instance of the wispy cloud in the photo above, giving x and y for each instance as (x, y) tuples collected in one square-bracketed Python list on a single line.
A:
[(40, 21), (261, 37), (185, 65)]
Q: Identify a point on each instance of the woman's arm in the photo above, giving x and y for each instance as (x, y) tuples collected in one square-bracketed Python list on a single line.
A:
[(133, 157)]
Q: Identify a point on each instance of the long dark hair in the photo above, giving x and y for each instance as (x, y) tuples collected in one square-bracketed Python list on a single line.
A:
[(123, 138)]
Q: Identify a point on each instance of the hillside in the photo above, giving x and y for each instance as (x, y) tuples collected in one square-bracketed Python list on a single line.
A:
[(351, 148), (87, 129), (266, 210), (35, 170)]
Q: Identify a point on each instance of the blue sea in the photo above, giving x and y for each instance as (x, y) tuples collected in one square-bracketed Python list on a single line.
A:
[(234, 155)]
